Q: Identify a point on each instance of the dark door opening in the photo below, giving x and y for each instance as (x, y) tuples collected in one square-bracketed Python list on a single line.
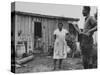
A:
[(37, 29), (37, 34)]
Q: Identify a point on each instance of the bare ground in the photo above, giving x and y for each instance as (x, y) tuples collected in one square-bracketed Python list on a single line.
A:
[(44, 64)]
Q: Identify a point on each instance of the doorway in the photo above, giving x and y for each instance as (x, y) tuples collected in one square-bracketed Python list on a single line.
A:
[(37, 35)]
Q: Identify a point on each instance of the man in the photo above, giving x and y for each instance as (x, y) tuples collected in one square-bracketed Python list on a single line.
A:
[(86, 39)]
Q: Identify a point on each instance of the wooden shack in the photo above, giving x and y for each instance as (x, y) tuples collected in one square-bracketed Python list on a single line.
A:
[(35, 30)]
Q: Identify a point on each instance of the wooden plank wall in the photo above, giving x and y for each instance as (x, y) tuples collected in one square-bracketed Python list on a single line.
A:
[(26, 24), (45, 34), (52, 25), (49, 25)]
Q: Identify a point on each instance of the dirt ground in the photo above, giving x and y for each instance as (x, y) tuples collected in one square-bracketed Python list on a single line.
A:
[(44, 64)]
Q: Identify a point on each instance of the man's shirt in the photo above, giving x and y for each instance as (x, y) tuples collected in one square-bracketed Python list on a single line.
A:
[(90, 22)]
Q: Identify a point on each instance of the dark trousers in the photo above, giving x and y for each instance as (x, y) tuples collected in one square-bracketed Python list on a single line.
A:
[(87, 62), (86, 44)]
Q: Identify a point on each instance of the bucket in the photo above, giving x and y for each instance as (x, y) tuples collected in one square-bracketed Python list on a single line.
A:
[(20, 50)]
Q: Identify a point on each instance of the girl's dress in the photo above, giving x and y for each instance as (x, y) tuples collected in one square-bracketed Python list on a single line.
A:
[(60, 45)]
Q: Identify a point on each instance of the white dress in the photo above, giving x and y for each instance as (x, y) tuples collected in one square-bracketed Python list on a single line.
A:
[(60, 45)]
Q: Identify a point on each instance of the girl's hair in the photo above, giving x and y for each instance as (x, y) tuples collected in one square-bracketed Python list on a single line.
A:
[(60, 23)]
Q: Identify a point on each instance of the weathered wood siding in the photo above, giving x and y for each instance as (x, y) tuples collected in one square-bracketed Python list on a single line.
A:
[(26, 25), (23, 24)]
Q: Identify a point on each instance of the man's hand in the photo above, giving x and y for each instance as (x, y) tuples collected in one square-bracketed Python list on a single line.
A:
[(87, 34)]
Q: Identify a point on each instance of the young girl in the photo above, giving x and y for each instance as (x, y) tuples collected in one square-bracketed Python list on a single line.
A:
[(60, 45)]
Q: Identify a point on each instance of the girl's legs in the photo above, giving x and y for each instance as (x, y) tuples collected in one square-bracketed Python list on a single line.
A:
[(55, 60), (60, 63)]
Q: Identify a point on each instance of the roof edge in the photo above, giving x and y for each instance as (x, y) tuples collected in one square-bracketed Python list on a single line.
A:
[(45, 16)]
